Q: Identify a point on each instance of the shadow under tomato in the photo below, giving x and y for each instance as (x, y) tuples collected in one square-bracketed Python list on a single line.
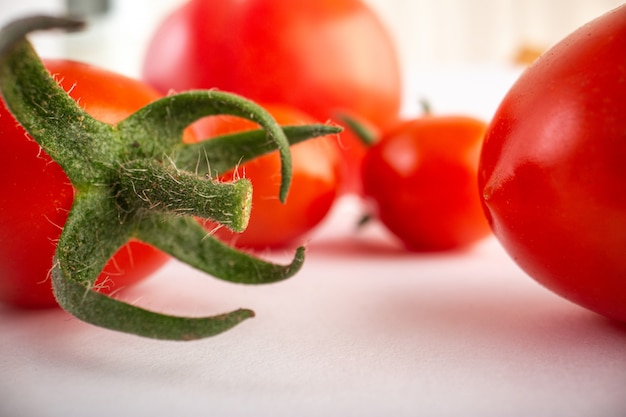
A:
[(40, 324), (349, 246), (357, 246), (496, 320)]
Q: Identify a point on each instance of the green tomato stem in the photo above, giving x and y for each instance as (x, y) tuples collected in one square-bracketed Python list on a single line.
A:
[(186, 240), (221, 153), (426, 107), (164, 121), (365, 135), (72, 138), (155, 186), (106, 312), (136, 180), (93, 232), (78, 261), (15, 31)]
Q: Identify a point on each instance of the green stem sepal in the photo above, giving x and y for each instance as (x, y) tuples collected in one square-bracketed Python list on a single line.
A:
[(138, 180)]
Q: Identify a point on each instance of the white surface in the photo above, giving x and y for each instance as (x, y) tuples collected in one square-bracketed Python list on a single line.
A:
[(364, 330)]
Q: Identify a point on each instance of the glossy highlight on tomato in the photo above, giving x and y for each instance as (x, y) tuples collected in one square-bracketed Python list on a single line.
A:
[(420, 180), (37, 194), (316, 183), (552, 173)]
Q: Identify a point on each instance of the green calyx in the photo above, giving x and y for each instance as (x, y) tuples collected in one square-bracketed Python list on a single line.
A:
[(363, 133), (138, 180)]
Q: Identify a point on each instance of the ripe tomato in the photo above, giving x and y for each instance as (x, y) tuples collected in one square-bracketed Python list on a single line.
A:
[(315, 183), (323, 57), (36, 193), (421, 180), (552, 172)]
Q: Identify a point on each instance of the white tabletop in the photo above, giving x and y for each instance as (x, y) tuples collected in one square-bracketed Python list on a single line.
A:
[(365, 329)]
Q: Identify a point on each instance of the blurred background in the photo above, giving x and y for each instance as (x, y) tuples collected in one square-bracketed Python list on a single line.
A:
[(429, 33)]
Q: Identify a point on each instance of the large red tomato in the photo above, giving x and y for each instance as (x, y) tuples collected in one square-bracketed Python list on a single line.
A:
[(36, 193), (320, 56), (552, 173), (316, 183)]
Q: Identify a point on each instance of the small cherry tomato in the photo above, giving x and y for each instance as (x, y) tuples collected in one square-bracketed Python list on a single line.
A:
[(420, 179), (552, 173), (315, 184), (36, 193)]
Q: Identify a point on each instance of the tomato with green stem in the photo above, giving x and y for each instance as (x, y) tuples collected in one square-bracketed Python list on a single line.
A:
[(138, 180), (552, 170), (420, 181), (316, 183)]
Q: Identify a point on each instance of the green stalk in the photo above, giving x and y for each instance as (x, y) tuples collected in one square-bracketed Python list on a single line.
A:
[(228, 150), (138, 180), (178, 192), (163, 122), (364, 134)]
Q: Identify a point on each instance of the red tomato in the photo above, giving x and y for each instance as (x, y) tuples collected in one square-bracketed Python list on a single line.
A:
[(552, 173), (36, 193), (324, 57), (320, 56), (314, 188), (421, 180)]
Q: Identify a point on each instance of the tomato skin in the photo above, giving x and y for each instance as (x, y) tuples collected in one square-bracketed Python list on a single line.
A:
[(421, 180), (37, 194), (552, 172), (315, 184)]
